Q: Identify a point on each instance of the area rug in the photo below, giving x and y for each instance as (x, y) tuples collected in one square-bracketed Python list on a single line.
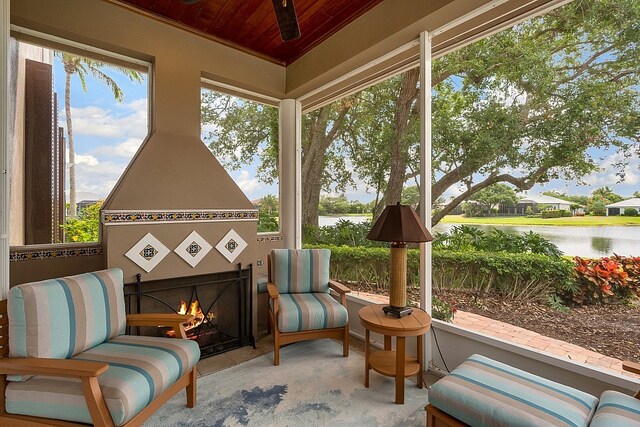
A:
[(313, 386)]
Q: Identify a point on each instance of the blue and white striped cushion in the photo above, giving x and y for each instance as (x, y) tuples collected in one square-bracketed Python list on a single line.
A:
[(300, 271), (304, 312), (616, 409), (140, 368), (60, 318), (483, 392)]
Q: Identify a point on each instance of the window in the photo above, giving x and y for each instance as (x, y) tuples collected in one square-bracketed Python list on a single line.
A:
[(77, 121), (243, 135)]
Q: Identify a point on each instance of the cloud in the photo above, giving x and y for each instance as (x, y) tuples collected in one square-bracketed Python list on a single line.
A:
[(126, 149), (246, 182), (86, 159), (98, 177), (101, 122)]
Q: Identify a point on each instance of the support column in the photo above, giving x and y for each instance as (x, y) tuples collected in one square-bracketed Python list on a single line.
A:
[(425, 179), (290, 172), (4, 148)]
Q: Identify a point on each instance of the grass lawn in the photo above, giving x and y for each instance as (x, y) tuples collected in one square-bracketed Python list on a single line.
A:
[(568, 221)]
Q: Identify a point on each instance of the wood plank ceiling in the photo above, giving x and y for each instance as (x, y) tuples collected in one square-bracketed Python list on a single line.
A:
[(250, 25)]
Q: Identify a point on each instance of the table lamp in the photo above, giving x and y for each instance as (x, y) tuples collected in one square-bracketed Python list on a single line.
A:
[(399, 224)]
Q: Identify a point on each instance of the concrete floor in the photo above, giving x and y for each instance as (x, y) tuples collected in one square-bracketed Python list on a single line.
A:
[(264, 344)]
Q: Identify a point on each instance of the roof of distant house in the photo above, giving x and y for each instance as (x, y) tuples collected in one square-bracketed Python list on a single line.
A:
[(543, 199), (629, 203)]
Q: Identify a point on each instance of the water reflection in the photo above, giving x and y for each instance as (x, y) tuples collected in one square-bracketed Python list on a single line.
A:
[(602, 245), (583, 241)]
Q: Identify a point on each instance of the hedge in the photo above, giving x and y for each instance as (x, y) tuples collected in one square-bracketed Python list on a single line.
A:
[(530, 276)]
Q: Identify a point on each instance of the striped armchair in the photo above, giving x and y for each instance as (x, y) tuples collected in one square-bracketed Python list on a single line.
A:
[(300, 305), (70, 360)]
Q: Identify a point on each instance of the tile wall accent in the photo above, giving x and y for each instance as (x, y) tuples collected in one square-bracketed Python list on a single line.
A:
[(148, 252), (193, 248), (269, 238), (231, 245), (122, 217), (30, 254)]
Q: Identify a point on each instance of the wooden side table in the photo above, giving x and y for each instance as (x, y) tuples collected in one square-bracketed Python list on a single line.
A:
[(388, 362)]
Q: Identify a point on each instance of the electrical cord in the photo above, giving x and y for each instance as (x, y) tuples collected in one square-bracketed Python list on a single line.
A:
[(438, 347)]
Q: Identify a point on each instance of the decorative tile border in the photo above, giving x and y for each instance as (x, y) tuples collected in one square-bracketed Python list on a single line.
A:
[(152, 216), (270, 238), (35, 254)]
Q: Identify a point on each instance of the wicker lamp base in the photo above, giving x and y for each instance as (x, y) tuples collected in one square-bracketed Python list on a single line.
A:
[(398, 293)]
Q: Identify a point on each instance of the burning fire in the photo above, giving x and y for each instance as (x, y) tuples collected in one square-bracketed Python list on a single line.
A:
[(195, 310)]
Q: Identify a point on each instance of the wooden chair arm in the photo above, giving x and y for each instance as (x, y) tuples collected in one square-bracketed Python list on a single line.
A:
[(273, 291), (631, 367), (52, 367), (339, 287), (174, 321), (158, 319)]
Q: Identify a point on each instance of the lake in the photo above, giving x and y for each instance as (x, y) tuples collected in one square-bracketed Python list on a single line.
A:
[(582, 241)]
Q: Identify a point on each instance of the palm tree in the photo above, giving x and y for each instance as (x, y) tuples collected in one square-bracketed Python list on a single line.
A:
[(82, 67)]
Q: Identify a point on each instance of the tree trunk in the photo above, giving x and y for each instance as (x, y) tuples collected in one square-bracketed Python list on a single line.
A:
[(398, 160), (313, 166), (321, 136), (72, 154)]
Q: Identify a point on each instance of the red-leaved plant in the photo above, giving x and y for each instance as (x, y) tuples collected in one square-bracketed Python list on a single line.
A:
[(606, 279)]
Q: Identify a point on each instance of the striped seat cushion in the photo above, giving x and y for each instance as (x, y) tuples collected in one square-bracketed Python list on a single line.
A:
[(140, 368), (304, 312), (483, 392), (617, 409), (60, 318), (300, 271)]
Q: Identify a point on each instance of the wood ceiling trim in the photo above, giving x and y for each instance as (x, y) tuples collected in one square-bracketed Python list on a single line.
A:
[(195, 31)]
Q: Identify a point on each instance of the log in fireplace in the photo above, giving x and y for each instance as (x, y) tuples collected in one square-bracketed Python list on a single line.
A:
[(221, 303)]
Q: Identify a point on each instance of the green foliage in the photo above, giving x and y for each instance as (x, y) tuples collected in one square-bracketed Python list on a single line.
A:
[(529, 211), (345, 232), (551, 213), (85, 227), (556, 302), (597, 208), (267, 223), (630, 212), (242, 131), (494, 195), (442, 310), (606, 279), (526, 276), (537, 100), (411, 196), (339, 205), (520, 276), (466, 238)]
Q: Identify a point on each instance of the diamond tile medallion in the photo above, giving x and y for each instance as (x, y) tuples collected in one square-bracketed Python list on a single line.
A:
[(193, 249), (148, 252), (231, 245)]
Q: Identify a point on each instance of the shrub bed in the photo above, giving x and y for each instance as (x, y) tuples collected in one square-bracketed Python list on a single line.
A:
[(531, 276), (606, 279)]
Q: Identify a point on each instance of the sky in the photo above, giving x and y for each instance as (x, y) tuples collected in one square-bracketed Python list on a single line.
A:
[(107, 134)]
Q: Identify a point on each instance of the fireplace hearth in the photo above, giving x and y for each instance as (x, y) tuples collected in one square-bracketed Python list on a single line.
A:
[(221, 303)]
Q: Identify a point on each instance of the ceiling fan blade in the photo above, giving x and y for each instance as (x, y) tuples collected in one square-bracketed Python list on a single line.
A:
[(190, 1), (287, 19)]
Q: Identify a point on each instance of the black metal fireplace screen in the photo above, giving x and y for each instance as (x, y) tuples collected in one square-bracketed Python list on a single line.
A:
[(221, 303)]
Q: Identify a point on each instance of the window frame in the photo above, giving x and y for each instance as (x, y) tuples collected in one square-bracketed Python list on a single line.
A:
[(49, 41)]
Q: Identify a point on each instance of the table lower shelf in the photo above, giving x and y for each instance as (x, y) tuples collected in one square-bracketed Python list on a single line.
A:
[(384, 362)]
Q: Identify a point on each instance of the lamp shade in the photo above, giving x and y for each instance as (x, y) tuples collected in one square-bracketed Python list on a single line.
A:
[(399, 223)]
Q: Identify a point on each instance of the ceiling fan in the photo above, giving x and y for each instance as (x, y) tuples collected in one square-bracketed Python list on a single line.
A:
[(286, 16)]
